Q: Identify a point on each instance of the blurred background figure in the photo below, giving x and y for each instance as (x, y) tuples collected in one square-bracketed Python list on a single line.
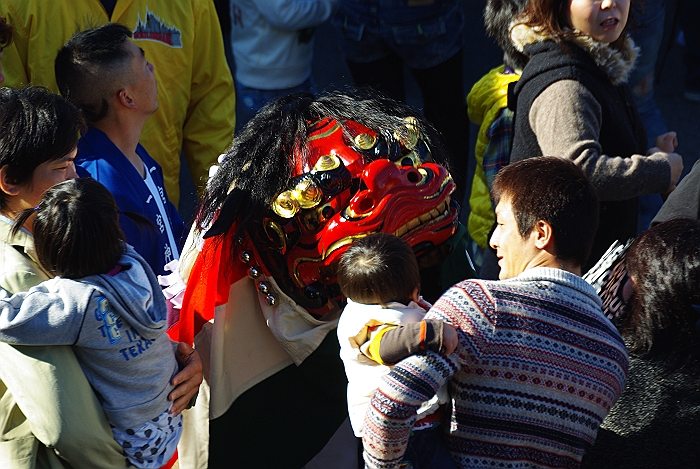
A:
[(488, 108), (379, 37), (272, 43)]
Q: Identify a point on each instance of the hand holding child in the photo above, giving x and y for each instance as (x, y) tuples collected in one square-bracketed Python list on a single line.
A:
[(449, 338), (187, 381)]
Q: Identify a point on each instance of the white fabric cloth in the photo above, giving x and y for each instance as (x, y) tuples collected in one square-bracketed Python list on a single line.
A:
[(364, 375)]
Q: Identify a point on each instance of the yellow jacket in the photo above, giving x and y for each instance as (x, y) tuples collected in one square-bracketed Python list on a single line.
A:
[(195, 88), (488, 96)]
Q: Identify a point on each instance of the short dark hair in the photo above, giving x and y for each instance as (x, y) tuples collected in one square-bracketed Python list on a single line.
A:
[(76, 229), (90, 68), (664, 263), (556, 191), (35, 126), (5, 33), (498, 17), (379, 269)]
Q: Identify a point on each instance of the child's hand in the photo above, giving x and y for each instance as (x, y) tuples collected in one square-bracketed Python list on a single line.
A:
[(449, 338), (665, 143)]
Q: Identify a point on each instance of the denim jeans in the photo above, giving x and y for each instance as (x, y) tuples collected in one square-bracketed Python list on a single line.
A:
[(250, 100), (689, 11), (381, 36), (648, 36), (426, 450), (423, 36)]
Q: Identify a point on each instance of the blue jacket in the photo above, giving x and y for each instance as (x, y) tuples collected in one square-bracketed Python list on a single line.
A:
[(102, 160)]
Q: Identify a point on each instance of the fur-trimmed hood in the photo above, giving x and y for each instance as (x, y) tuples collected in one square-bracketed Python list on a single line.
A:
[(616, 60)]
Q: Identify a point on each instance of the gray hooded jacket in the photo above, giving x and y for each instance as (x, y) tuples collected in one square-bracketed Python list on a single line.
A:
[(116, 325)]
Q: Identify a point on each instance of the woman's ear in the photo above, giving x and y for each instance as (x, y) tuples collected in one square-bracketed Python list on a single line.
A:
[(7, 185), (415, 296), (628, 289)]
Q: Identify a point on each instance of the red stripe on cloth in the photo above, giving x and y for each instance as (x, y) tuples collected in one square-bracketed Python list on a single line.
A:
[(208, 285), (172, 461)]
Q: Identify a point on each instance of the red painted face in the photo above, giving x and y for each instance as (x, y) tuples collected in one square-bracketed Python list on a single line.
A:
[(354, 185)]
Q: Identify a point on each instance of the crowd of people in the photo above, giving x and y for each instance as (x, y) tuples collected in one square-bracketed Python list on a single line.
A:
[(326, 308)]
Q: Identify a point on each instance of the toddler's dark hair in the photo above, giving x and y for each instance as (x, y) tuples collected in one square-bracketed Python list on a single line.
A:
[(379, 269), (76, 229)]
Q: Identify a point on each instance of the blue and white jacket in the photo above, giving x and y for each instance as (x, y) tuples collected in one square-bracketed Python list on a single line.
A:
[(102, 160)]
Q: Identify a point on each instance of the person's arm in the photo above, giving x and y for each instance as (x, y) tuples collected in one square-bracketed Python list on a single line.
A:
[(44, 315), (399, 342), (40, 30), (392, 410), (404, 340), (294, 15), (211, 112), (15, 57), (52, 392), (566, 118)]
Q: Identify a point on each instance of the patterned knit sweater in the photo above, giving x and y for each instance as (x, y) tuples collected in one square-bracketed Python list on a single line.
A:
[(541, 367)]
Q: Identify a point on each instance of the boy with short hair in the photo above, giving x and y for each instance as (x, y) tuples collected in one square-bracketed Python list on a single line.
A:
[(379, 275), (107, 76)]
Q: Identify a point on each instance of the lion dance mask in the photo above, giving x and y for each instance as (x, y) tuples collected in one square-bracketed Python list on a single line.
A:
[(353, 184)]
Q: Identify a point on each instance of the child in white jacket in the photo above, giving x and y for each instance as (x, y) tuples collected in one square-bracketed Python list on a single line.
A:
[(379, 275)]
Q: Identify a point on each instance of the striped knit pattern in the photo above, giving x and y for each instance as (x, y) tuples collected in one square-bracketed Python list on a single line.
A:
[(541, 366)]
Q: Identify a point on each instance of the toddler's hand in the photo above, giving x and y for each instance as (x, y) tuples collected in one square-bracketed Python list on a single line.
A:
[(449, 338)]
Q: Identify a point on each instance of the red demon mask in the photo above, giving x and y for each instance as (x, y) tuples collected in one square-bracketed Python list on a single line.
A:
[(354, 184)]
